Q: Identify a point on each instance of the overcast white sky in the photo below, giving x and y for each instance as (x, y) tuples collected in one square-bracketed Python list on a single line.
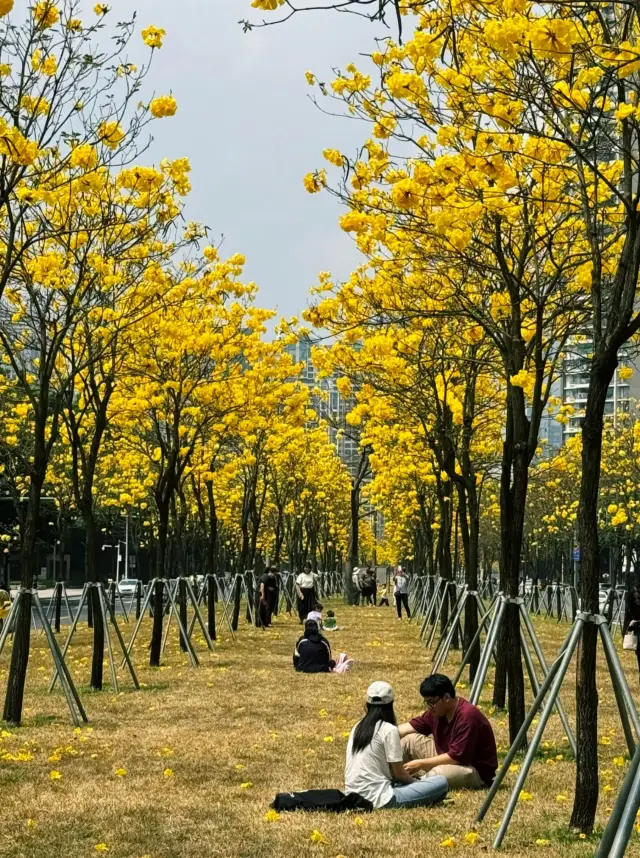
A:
[(245, 121)]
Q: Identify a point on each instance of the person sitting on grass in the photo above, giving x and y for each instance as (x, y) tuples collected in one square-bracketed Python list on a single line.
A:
[(374, 767), (452, 739), (330, 622), (313, 652)]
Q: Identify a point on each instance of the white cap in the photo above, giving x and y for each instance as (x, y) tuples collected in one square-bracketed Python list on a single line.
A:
[(380, 692)]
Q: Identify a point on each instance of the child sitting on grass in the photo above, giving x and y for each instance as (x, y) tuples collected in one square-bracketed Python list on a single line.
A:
[(330, 623)]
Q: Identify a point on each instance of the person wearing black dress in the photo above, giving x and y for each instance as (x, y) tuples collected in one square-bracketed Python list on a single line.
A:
[(305, 589), (268, 597)]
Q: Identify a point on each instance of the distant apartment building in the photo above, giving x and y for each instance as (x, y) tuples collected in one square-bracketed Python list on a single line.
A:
[(623, 392), (331, 405)]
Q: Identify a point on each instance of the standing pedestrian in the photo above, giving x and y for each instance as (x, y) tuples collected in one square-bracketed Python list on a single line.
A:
[(268, 596), (355, 580), (369, 587), (401, 592), (305, 588)]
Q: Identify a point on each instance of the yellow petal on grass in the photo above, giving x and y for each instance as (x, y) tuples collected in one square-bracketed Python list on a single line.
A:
[(168, 773), (328, 739), (605, 740), (271, 816), (525, 796), (561, 797), (54, 775), (120, 773), (31, 823), (448, 842), (618, 761), (318, 837), (240, 767), (358, 821), (514, 767), (101, 847), (246, 785), (323, 713), (471, 837), (542, 842)]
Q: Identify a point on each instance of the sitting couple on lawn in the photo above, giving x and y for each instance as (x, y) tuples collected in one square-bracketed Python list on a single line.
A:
[(451, 745)]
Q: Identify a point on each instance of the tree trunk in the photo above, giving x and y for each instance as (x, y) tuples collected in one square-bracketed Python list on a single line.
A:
[(586, 792), (158, 598), (22, 633), (91, 575), (182, 610)]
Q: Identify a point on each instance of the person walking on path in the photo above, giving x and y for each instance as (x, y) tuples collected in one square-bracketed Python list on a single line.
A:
[(401, 592), (374, 766), (305, 588)]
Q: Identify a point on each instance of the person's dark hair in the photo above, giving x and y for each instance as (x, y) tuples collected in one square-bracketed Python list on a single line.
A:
[(311, 628), (307, 565), (331, 613), (437, 685), (634, 594), (365, 729)]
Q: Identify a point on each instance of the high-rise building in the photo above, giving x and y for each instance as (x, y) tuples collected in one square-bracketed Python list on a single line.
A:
[(622, 394), (330, 405)]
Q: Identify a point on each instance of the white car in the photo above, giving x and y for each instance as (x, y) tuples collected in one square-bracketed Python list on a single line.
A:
[(127, 586)]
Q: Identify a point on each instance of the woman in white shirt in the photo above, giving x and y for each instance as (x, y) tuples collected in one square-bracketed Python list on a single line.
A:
[(374, 766), (305, 588)]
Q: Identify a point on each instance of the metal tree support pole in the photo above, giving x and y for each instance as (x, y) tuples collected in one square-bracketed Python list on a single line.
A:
[(250, 610), (467, 656), (147, 596), (543, 664), (198, 616), (166, 628), (70, 691), (621, 687), (487, 652), (542, 723), (193, 658), (72, 630), (438, 614), (618, 829), (124, 609), (618, 621), (114, 677), (8, 626), (446, 639), (431, 602), (515, 747), (66, 602), (121, 642), (224, 611)]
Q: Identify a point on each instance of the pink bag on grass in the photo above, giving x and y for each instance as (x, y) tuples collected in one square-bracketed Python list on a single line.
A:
[(343, 664)]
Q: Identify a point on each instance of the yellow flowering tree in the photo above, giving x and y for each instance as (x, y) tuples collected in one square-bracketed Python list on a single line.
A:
[(69, 125)]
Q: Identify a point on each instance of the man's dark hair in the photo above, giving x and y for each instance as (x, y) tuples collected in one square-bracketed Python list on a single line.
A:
[(437, 685)]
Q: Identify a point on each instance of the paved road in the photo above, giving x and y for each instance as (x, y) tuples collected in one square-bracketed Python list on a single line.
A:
[(74, 600)]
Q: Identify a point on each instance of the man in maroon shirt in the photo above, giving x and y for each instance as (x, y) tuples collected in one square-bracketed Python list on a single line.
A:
[(452, 738)]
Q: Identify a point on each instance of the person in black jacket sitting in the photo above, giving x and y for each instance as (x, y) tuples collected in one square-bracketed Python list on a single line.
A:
[(312, 653)]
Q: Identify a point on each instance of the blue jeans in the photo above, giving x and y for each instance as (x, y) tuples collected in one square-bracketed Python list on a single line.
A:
[(420, 793)]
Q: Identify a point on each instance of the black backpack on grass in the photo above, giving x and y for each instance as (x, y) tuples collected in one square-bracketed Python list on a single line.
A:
[(329, 800)]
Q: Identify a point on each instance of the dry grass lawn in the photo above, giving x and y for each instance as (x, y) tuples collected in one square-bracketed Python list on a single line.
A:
[(188, 766)]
